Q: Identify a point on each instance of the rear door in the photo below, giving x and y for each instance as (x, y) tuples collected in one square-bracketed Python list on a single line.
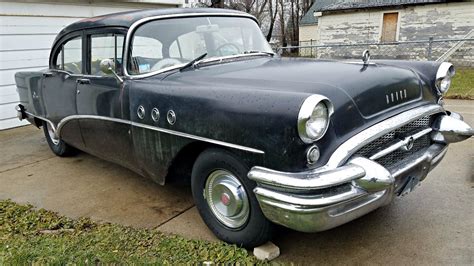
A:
[(59, 87)]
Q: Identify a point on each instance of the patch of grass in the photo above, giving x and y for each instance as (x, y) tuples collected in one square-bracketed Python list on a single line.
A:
[(462, 86), (30, 236)]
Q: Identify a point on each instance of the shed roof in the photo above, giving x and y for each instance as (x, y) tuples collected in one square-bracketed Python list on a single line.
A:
[(308, 18), (343, 5), (359, 4)]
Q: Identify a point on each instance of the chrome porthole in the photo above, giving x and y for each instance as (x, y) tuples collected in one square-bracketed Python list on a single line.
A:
[(155, 114), (51, 134), (171, 117), (227, 199), (141, 112)]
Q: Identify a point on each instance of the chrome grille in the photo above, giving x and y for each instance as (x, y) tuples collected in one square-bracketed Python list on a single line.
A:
[(398, 155)]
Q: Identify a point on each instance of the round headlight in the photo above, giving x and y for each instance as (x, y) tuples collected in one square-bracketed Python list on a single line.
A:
[(444, 84), (443, 77), (313, 118)]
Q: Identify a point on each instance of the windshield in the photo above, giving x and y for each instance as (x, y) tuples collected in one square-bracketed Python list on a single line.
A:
[(165, 43)]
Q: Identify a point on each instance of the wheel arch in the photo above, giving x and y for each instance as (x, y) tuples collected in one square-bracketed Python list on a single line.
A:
[(180, 168)]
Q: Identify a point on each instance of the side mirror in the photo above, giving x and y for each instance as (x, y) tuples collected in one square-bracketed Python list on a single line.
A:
[(107, 66)]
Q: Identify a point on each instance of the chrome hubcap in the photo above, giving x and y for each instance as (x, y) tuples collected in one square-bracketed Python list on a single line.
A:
[(52, 136), (227, 199)]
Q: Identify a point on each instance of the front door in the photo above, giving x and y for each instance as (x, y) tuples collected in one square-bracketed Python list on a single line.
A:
[(102, 102)]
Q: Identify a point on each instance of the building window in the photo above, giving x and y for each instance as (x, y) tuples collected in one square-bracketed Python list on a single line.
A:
[(389, 27)]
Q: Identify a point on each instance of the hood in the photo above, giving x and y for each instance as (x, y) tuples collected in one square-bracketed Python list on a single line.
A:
[(372, 89)]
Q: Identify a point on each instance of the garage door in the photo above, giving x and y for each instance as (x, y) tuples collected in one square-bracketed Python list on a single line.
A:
[(27, 31)]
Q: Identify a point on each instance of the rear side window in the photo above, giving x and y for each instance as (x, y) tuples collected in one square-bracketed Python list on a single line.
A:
[(69, 57)]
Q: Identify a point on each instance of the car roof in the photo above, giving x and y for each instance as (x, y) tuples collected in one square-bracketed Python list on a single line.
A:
[(126, 19)]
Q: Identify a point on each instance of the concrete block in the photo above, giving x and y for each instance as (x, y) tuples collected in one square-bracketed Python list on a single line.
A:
[(267, 251)]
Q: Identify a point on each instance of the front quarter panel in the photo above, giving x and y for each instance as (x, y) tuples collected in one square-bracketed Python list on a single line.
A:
[(253, 119)]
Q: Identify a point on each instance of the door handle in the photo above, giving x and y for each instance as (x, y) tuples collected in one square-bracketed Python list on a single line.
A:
[(47, 74), (83, 81)]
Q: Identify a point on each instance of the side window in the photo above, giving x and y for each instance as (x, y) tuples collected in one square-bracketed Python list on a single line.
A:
[(108, 46), (145, 54), (69, 57)]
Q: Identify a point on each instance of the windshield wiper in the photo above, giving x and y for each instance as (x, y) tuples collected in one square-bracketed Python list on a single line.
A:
[(193, 62), (259, 52)]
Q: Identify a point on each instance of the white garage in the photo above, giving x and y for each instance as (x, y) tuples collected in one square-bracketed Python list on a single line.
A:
[(27, 31)]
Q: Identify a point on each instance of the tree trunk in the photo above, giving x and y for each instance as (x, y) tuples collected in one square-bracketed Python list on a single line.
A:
[(273, 14), (282, 24)]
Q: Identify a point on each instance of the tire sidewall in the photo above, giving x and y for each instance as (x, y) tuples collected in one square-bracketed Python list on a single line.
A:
[(256, 229), (60, 149)]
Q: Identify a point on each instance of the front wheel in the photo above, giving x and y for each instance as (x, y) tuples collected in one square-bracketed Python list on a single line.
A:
[(58, 146), (224, 198)]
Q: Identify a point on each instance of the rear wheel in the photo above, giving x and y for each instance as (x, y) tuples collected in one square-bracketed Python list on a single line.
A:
[(224, 198), (58, 146)]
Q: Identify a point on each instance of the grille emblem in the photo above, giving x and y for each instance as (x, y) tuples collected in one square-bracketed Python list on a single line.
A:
[(409, 143), (397, 96)]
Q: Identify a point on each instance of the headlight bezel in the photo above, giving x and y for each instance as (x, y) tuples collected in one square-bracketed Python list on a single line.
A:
[(305, 113), (445, 71)]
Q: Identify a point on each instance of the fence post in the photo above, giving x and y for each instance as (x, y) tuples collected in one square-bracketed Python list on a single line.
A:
[(430, 48)]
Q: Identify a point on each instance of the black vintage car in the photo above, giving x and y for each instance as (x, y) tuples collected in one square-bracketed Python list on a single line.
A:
[(264, 140)]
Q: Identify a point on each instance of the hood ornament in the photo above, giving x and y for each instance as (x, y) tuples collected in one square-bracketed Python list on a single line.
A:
[(366, 57)]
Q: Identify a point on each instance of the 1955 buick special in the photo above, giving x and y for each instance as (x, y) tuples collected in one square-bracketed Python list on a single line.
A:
[(264, 140)]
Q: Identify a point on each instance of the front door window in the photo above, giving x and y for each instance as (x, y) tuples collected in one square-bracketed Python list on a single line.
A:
[(106, 47)]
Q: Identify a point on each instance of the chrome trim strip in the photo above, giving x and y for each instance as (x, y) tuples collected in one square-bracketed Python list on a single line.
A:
[(345, 150), (64, 121), (147, 19), (189, 136), (400, 144), (61, 124), (44, 119)]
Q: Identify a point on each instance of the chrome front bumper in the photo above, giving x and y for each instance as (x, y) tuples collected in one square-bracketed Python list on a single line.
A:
[(323, 198)]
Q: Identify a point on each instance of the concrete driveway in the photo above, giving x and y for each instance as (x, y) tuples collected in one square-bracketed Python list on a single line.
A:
[(435, 224)]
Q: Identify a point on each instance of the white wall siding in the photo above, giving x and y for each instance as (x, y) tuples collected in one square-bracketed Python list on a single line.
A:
[(27, 32), (308, 33)]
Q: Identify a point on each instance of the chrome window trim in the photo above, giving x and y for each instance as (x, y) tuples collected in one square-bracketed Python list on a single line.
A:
[(348, 148), (138, 23), (57, 129)]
